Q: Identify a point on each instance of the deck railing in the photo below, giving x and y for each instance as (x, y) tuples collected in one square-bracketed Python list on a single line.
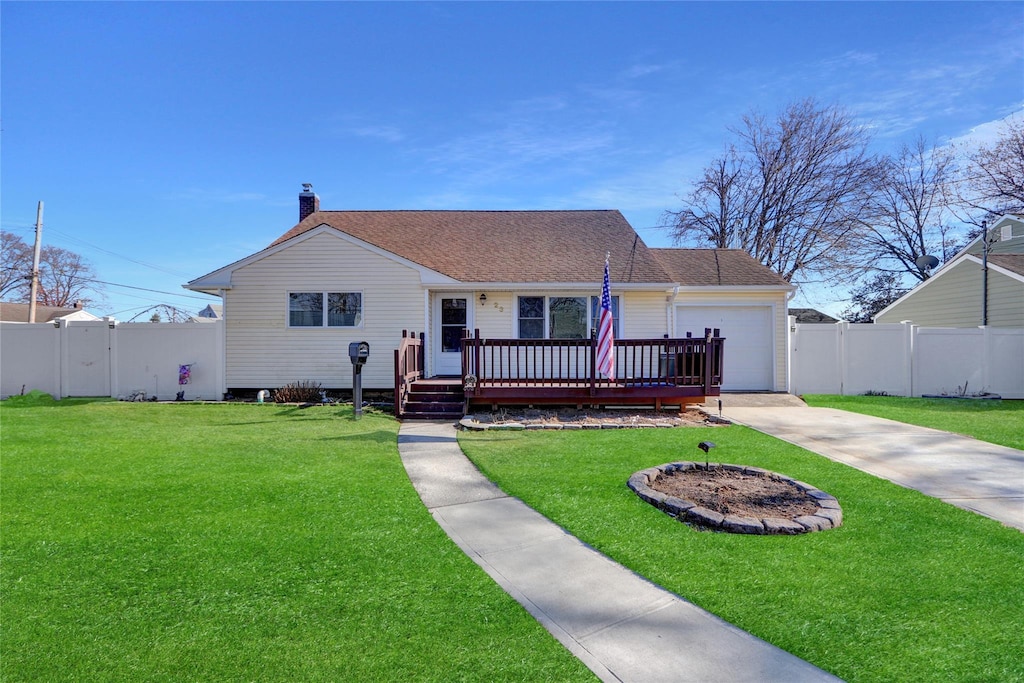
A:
[(408, 367), (639, 363)]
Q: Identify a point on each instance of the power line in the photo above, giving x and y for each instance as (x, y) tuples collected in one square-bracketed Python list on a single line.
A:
[(78, 240), (113, 253), (155, 291)]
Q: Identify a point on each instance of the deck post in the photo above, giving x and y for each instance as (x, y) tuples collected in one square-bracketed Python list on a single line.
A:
[(593, 365), (476, 357), (707, 361), (421, 364)]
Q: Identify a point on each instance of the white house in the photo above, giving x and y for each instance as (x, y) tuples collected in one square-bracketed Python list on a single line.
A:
[(341, 276)]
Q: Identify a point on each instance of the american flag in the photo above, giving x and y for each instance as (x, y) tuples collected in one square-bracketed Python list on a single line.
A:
[(605, 334)]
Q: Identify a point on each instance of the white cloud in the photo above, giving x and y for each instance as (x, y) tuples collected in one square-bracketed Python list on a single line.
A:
[(986, 133)]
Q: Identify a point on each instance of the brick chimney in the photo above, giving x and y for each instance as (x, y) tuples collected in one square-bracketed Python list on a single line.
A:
[(308, 201)]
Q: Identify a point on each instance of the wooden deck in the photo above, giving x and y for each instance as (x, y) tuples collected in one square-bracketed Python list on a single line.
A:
[(649, 372), (653, 372)]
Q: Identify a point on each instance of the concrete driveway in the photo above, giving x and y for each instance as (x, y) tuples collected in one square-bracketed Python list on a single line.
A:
[(971, 474)]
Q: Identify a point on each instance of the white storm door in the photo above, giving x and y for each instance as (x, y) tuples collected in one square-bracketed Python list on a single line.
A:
[(451, 320)]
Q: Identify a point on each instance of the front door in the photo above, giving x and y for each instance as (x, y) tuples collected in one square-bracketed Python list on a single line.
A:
[(451, 318)]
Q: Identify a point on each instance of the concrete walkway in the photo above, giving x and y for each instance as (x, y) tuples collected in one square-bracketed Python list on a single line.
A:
[(971, 474), (621, 626)]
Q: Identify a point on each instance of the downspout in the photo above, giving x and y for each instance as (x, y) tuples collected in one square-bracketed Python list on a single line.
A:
[(670, 313)]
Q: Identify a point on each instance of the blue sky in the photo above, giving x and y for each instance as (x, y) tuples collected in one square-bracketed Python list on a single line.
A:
[(169, 139)]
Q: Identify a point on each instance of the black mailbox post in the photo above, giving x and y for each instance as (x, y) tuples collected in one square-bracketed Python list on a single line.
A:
[(358, 352)]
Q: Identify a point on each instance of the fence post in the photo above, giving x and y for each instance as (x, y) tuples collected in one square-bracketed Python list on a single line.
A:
[(907, 357), (986, 356), (65, 361), (842, 327), (113, 353)]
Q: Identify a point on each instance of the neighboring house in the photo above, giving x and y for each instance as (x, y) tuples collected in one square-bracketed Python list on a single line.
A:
[(811, 316), (511, 275), (19, 313), (211, 313), (956, 295)]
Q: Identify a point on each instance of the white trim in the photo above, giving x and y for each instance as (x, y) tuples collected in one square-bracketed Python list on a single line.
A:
[(772, 314), (428, 358), (323, 317), (965, 251), (221, 278), (434, 334), (561, 286), (620, 319), (734, 288), (999, 269), (953, 264)]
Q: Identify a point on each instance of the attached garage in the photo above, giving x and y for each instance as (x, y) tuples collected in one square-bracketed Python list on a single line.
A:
[(749, 342), (728, 290)]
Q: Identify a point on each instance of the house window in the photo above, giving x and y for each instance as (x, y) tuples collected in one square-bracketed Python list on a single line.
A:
[(531, 317), (567, 317), (561, 317), (307, 309)]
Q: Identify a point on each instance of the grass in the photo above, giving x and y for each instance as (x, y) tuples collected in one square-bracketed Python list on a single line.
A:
[(908, 589), (185, 542), (998, 422)]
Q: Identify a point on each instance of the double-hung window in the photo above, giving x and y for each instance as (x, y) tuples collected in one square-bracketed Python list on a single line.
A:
[(561, 317), (325, 309)]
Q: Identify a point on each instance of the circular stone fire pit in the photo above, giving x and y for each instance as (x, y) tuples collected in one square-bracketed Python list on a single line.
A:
[(736, 499)]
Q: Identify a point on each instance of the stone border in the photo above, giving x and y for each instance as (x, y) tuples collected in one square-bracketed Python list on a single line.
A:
[(472, 424), (828, 516)]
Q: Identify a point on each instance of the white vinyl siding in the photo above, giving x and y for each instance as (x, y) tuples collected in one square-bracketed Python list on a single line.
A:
[(644, 315), (263, 352), (495, 318)]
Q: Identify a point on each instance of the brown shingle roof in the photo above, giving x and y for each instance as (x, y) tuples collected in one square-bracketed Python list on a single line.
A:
[(810, 315), (1012, 262), (725, 267), (503, 246)]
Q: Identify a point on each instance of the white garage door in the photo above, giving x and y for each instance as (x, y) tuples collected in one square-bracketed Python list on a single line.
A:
[(748, 341)]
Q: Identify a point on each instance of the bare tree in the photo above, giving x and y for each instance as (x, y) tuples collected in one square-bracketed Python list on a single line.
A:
[(788, 192), (715, 208), (906, 216), (64, 278), (872, 295), (994, 175), (15, 266)]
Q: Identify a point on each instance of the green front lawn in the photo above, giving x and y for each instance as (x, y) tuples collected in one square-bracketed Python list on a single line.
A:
[(238, 542), (998, 422), (908, 589)]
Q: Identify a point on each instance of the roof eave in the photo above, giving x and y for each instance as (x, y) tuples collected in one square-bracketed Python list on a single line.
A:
[(737, 288)]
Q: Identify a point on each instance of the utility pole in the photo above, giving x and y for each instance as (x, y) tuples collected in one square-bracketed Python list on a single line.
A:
[(34, 288)]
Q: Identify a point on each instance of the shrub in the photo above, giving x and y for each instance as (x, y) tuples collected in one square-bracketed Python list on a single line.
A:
[(306, 391)]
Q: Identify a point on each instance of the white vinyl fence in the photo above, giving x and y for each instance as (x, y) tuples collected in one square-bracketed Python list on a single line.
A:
[(104, 358), (905, 360)]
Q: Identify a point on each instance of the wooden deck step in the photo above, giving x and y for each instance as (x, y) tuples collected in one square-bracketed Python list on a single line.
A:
[(435, 399)]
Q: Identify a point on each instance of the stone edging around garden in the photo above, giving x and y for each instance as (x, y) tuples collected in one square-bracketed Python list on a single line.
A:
[(828, 516), (586, 421)]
